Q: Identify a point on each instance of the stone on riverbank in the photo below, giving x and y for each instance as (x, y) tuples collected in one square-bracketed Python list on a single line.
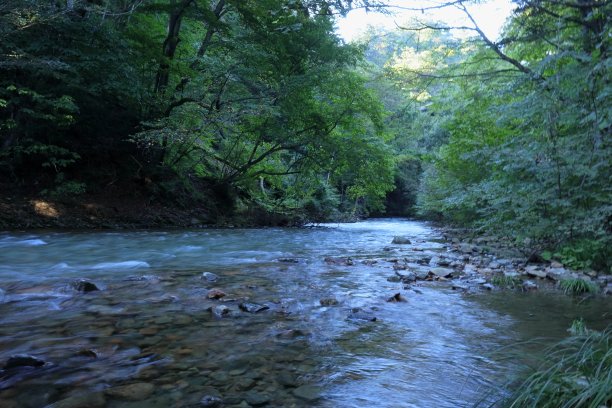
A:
[(535, 271)]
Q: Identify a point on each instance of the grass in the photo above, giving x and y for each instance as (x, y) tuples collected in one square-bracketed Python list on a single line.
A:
[(574, 373), (504, 281), (577, 286)]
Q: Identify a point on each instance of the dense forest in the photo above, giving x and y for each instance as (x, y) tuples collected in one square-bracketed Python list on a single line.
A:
[(257, 110)]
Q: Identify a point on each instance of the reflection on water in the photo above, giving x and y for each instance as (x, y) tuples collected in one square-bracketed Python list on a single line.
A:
[(152, 327)]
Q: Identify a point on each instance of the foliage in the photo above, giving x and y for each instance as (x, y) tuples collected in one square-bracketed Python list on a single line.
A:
[(577, 286)]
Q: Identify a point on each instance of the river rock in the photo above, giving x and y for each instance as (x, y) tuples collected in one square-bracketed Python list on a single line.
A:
[(93, 400), (328, 302), (256, 399), (369, 262), (23, 360), (466, 248), (209, 276), (359, 314), (441, 272), (394, 279), (535, 271), (608, 289), (487, 286), (555, 264), (221, 311), (211, 401), (529, 286), (397, 298), (406, 277), (252, 307), (308, 392), (459, 287), (289, 260), (215, 294), (131, 392), (399, 240), (339, 261), (2, 295), (85, 286), (557, 274)]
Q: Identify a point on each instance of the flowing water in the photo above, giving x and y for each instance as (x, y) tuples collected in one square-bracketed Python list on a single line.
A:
[(152, 325)]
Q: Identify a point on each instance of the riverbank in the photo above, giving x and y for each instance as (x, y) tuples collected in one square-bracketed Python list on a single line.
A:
[(505, 264)]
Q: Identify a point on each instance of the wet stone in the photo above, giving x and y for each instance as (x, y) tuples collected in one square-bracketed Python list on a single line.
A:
[(442, 272), (529, 286), (328, 302), (131, 392), (85, 286), (399, 240), (23, 360), (397, 298), (211, 401), (252, 307), (215, 294), (209, 277), (256, 399), (359, 314), (308, 392), (289, 260), (93, 400)]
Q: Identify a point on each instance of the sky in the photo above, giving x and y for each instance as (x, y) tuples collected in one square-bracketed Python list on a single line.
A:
[(490, 16)]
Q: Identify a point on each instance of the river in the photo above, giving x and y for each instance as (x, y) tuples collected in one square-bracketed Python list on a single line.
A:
[(152, 337)]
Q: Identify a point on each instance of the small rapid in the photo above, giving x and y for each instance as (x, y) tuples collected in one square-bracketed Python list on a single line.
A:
[(300, 317)]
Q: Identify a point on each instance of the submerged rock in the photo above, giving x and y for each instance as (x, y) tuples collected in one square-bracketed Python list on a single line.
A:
[(289, 260), (2, 295), (215, 294), (308, 392), (209, 276), (399, 240), (92, 400), (85, 286), (252, 307), (359, 314), (131, 392), (339, 261), (256, 399), (211, 401), (397, 298), (328, 302), (221, 311), (23, 360)]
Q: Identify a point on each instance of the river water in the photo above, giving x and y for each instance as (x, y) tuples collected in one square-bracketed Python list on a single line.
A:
[(151, 325)]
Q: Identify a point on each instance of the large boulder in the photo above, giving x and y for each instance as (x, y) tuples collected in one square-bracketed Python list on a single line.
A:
[(399, 240)]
